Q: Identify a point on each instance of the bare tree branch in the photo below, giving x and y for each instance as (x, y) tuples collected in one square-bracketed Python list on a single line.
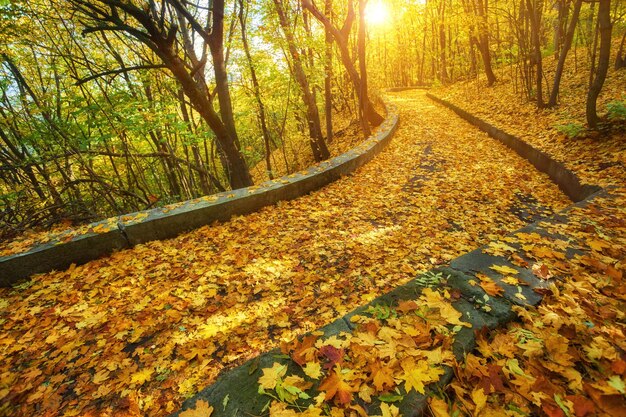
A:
[(118, 71)]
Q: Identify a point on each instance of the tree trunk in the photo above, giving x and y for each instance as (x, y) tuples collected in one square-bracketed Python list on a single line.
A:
[(562, 7), (257, 93), (535, 11), (316, 139), (232, 160), (567, 44), (341, 36), (160, 37), (443, 70), (363, 68), (605, 28), (328, 74), (483, 40), (204, 176), (620, 60), (216, 45)]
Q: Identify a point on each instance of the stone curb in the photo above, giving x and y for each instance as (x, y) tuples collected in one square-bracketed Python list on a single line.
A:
[(162, 223), (235, 392), (567, 181)]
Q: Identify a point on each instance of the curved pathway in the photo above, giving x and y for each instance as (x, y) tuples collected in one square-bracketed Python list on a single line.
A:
[(157, 323)]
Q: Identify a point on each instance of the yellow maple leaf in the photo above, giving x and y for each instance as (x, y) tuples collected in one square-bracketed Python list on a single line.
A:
[(389, 410), (415, 376), (298, 382), (366, 392), (597, 245), (439, 356), (100, 376), (520, 296), (280, 409), (313, 370), (434, 300), (142, 376), (504, 270), (202, 409), (511, 281), (532, 348), (480, 399), (500, 248), (271, 376), (438, 407), (91, 319)]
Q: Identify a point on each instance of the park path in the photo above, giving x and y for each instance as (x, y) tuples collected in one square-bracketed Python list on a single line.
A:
[(145, 328)]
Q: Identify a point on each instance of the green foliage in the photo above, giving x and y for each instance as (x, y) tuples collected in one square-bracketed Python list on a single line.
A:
[(430, 279), (616, 110), (382, 312), (571, 130)]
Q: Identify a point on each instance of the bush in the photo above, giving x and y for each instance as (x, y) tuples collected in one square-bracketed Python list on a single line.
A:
[(616, 110), (571, 130)]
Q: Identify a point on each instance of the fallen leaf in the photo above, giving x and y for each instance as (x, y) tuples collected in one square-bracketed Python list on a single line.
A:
[(271, 376), (416, 375), (338, 387), (312, 370), (201, 409), (490, 286), (480, 400), (504, 270), (438, 407)]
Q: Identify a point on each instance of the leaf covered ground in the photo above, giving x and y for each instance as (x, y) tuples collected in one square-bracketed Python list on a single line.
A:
[(597, 157), (139, 331), (393, 351), (566, 357)]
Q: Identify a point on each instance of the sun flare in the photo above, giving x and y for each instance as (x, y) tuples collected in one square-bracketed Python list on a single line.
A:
[(377, 13)]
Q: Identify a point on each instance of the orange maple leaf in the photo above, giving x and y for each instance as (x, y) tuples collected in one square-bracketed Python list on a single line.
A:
[(490, 286), (382, 375), (541, 271), (337, 386), (305, 351), (406, 306)]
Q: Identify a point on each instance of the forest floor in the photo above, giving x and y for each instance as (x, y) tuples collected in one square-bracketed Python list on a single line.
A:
[(147, 327), (596, 156)]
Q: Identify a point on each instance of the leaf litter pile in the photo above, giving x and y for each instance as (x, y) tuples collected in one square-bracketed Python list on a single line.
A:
[(138, 332), (564, 358)]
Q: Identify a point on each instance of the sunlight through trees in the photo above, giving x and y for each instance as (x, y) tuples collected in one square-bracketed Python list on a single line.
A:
[(108, 107)]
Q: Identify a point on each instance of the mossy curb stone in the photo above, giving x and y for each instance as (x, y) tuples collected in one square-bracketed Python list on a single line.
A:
[(163, 223)]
